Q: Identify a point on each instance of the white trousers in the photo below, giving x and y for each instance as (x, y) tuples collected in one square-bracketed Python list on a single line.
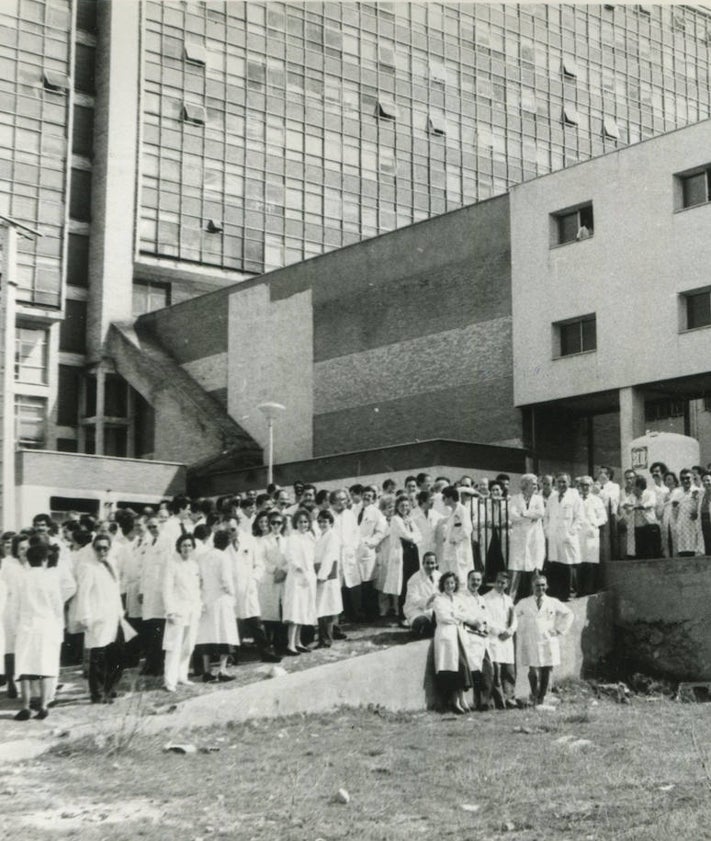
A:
[(177, 657)]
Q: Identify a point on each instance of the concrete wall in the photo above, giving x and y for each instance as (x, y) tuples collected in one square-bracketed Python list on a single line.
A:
[(662, 616), (630, 273)]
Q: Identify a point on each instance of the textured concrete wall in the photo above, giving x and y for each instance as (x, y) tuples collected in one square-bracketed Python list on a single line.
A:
[(662, 616)]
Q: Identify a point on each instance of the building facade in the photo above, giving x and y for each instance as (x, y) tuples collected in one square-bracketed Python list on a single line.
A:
[(167, 149)]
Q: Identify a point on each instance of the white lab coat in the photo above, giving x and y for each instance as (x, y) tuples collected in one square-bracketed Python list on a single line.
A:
[(539, 630), (152, 573), (610, 495), (399, 530), (3, 611), (11, 573), (129, 559), (247, 572), (371, 530), (345, 526), (39, 612), (476, 640), (527, 545), (99, 604), (501, 617), (426, 522), (327, 552), (270, 550), (457, 555), (449, 614), (562, 523), (217, 622), (594, 516), (182, 599), (300, 585), (80, 557), (419, 592)]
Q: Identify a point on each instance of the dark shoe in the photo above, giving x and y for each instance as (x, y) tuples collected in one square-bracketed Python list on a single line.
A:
[(208, 677), (107, 700), (289, 653), (96, 699), (223, 678), (42, 714), (302, 649), (323, 645), (23, 715), (270, 657), (12, 692), (35, 704), (339, 635)]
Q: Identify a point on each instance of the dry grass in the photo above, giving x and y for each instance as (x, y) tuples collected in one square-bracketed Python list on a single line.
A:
[(643, 776)]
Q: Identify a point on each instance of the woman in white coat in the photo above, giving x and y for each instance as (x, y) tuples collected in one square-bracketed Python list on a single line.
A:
[(299, 606), (527, 546), (451, 665), (386, 602), (183, 606), (329, 602), (217, 631), (39, 622), (14, 566), (403, 555)]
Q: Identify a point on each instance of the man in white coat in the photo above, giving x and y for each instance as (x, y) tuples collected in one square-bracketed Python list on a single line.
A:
[(154, 554), (457, 553), (100, 616), (542, 620), (426, 519), (345, 526), (372, 528), (422, 587), (502, 627), (562, 523), (594, 517)]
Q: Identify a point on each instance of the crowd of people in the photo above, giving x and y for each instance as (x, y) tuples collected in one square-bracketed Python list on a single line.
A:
[(182, 584)]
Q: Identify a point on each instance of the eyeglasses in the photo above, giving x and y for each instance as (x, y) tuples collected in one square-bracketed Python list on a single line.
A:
[(276, 523), (101, 548)]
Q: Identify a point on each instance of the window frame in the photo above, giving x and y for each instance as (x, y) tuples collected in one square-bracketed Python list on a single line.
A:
[(18, 363), (685, 298), (681, 179), (580, 212), (579, 321)]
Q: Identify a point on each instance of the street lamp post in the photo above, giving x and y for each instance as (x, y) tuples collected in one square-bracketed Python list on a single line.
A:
[(270, 411)]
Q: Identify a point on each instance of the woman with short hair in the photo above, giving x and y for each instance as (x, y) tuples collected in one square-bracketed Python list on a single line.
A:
[(183, 606), (299, 605), (451, 665), (329, 603)]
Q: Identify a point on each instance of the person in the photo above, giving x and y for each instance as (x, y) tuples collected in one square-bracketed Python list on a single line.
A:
[(404, 558), (217, 630), (422, 587), (562, 522), (527, 547), (637, 510), (686, 513), (594, 517), (39, 620), (504, 481), (372, 527), (657, 471), (183, 606), (426, 518), (329, 602), (541, 620), (346, 527), (151, 599), (450, 661), (457, 554), (14, 566), (386, 602), (273, 574), (668, 532), (704, 519), (476, 640), (99, 614), (300, 585), (501, 624)]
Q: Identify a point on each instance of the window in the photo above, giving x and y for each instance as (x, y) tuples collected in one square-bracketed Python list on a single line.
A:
[(68, 393), (83, 131), (664, 409), (386, 108), (149, 296), (576, 336), (610, 129), (570, 116), (437, 123), (695, 188), (573, 225), (78, 260), (72, 332), (438, 72), (80, 196), (193, 113), (570, 68), (195, 53), (31, 355), (698, 309), (55, 82), (84, 67), (386, 55), (30, 421)]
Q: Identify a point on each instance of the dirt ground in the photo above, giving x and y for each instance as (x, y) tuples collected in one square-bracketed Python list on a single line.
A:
[(590, 769)]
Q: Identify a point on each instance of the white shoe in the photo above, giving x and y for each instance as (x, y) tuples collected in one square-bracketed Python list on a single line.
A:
[(185, 682), (169, 688)]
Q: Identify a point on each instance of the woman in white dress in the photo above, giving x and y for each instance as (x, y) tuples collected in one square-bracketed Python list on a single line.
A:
[(386, 602), (450, 660), (299, 606), (329, 603), (183, 606), (667, 522), (14, 566), (217, 631), (39, 624), (403, 555)]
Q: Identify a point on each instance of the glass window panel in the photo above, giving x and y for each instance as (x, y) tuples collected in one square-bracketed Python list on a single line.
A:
[(695, 189), (31, 355)]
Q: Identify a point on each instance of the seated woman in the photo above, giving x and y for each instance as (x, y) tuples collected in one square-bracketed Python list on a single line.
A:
[(451, 666)]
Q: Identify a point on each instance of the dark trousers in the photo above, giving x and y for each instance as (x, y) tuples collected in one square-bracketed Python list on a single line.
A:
[(10, 675), (152, 643), (352, 602), (325, 630), (483, 682), (133, 646), (255, 628), (423, 626), (538, 679), (369, 599), (504, 684), (560, 579), (106, 667), (588, 579)]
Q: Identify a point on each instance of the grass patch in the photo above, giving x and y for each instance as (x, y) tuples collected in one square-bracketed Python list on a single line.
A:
[(616, 772)]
